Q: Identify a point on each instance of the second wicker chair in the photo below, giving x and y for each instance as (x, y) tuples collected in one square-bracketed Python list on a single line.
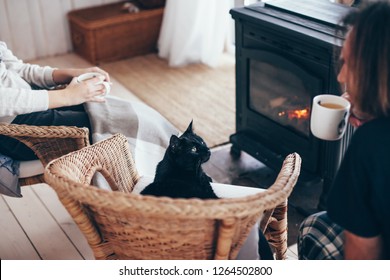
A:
[(47, 142)]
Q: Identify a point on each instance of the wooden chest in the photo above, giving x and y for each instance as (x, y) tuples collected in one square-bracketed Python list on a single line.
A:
[(107, 33)]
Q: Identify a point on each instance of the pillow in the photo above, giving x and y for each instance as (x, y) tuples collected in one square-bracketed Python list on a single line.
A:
[(221, 190), (249, 250), (9, 176), (30, 168)]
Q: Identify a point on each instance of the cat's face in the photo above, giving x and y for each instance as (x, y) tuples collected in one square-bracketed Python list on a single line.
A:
[(189, 150)]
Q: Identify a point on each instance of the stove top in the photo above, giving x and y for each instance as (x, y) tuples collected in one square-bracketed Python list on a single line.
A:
[(320, 15)]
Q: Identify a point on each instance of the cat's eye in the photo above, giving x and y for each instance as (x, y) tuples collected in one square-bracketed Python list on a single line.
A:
[(193, 149)]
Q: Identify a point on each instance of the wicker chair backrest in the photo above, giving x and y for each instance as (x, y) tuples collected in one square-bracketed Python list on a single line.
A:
[(121, 225)]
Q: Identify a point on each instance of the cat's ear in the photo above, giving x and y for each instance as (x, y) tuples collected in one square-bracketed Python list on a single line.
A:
[(174, 143), (189, 128)]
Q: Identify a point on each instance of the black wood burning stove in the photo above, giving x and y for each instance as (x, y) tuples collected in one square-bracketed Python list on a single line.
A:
[(284, 57)]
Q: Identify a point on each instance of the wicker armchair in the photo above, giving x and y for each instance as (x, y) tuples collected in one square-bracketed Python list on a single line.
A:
[(48, 142), (119, 224)]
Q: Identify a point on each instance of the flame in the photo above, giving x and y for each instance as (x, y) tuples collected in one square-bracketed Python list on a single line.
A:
[(296, 114)]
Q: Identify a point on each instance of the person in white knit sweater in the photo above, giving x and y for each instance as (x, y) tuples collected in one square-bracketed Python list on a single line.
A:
[(29, 95)]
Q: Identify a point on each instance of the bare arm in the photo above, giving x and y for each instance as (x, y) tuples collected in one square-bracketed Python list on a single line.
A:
[(361, 248), (77, 93), (65, 76)]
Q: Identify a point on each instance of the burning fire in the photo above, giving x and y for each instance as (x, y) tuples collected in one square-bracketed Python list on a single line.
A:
[(296, 114)]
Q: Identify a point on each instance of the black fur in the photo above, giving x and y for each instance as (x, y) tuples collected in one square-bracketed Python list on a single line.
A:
[(179, 174)]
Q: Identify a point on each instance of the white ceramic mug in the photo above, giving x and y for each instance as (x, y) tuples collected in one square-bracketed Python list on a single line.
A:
[(90, 75), (329, 116)]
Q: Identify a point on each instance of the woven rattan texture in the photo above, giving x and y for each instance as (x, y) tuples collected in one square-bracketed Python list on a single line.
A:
[(47, 142), (122, 225)]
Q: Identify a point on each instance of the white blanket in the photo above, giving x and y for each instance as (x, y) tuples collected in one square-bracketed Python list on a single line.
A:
[(147, 131)]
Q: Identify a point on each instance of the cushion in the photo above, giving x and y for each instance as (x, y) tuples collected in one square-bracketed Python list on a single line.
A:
[(249, 250), (9, 176), (11, 170), (221, 190), (30, 168)]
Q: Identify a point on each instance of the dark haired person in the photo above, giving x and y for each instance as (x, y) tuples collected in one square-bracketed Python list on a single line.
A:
[(357, 222)]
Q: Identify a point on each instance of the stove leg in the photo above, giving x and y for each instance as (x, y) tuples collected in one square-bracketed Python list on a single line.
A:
[(235, 152)]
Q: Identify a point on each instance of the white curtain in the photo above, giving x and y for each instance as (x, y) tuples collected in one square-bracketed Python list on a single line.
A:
[(194, 31)]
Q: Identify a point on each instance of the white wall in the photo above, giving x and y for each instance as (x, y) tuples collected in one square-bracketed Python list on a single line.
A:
[(39, 28)]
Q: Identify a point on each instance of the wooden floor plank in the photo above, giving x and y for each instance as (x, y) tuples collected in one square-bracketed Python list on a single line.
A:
[(40, 227), (48, 196), (14, 244)]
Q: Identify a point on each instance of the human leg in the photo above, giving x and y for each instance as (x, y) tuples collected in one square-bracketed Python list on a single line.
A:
[(67, 116), (320, 239)]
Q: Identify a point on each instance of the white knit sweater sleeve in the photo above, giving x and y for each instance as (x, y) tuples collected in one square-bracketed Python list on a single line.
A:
[(16, 79)]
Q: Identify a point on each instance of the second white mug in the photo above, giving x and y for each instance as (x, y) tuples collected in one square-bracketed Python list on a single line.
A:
[(90, 75)]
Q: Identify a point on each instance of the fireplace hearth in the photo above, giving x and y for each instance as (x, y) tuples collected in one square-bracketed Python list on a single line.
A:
[(284, 57)]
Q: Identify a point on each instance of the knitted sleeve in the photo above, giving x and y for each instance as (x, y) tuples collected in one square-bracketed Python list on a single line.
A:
[(16, 79)]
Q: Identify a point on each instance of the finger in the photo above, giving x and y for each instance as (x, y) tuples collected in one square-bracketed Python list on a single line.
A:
[(94, 84), (96, 80), (106, 76), (99, 89), (355, 122), (104, 73), (99, 99), (100, 92), (74, 81)]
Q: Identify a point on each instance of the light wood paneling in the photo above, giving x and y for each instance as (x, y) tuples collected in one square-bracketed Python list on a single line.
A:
[(4, 22), (54, 27), (19, 20), (39, 42)]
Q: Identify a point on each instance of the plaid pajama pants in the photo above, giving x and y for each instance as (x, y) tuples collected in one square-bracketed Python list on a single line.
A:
[(320, 239)]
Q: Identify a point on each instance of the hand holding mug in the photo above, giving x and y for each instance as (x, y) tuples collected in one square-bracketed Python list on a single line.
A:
[(356, 118), (91, 75)]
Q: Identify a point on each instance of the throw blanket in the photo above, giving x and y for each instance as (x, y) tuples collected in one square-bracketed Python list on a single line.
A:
[(147, 131)]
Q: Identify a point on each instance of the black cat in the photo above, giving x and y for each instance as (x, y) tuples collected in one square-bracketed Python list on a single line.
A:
[(179, 174)]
